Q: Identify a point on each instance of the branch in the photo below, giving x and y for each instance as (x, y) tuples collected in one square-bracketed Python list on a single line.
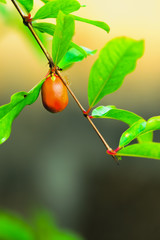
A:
[(51, 64), (29, 25)]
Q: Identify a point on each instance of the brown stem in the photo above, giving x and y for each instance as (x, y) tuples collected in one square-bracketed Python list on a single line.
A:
[(29, 25), (71, 92), (51, 64), (102, 139), (99, 134)]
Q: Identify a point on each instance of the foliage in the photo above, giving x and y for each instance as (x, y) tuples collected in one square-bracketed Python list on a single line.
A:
[(11, 110), (122, 115), (27, 4), (144, 150), (99, 24), (51, 9), (62, 36), (116, 59), (74, 55), (41, 227)]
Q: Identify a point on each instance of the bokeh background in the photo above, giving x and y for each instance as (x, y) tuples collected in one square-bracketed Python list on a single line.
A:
[(57, 162)]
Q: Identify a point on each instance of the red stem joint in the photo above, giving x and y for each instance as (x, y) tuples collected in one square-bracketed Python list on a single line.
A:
[(27, 19), (113, 152), (85, 113)]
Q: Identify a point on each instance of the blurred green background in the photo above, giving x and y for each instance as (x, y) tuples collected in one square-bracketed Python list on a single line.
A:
[(57, 162)]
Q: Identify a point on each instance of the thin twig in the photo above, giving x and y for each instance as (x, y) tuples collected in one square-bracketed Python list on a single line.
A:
[(29, 25), (102, 139), (51, 64), (71, 92)]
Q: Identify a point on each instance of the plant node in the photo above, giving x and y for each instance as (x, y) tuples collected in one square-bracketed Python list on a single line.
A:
[(27, 19)]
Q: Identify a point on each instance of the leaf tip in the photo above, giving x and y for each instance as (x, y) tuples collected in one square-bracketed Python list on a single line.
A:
[(2, 140)]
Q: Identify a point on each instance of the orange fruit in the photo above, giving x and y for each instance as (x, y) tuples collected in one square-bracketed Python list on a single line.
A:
[(54, 94)]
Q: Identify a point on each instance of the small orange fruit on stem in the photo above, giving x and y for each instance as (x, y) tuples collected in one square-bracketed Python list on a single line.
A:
[(54, 94)]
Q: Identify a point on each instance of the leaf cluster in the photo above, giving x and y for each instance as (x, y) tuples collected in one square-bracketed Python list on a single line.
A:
[(116, 59)]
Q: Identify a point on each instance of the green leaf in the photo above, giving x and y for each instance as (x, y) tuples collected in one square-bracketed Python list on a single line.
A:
[(51, 9), (62, 36), (65, 235), (79, 48), (115, 113), (46, 228), (137, 130), (153, 124), (144, 150), (122, 115), (116, 60), (3, 1), (45, 27), (46, 1), (99, 24), (12, 228), (27, 4), (74, 55), (133, 132), (11, 110), (50, 29)]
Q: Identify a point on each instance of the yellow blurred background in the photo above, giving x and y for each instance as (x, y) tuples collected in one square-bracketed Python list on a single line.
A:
[(57, 161)]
